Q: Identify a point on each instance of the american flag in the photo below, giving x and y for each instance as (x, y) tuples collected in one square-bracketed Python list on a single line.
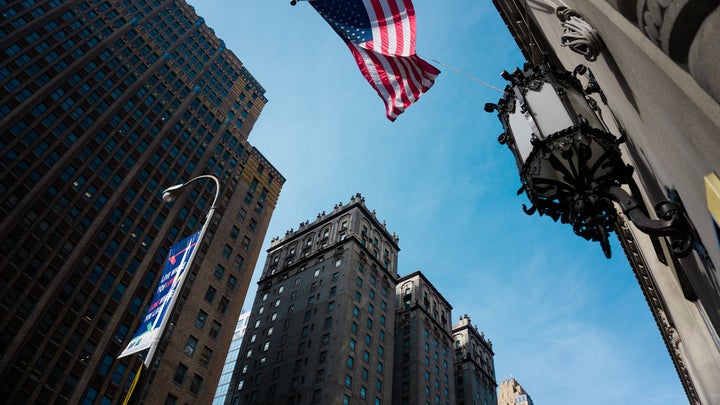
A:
[(381, 37)]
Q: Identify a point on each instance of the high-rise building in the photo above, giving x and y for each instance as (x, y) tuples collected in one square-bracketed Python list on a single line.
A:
[(475, 381), (334, 323), (650, 68), (321, 328), (423, 369), (224, 384), (103, 104), (511, 392)]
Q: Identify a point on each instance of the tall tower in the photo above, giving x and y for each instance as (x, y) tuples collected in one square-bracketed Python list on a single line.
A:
[(423, 344), (474, 365), (103, 104), (321, 329)]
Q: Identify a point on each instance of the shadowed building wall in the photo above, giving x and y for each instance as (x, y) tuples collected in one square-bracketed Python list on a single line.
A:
[(103, 104)]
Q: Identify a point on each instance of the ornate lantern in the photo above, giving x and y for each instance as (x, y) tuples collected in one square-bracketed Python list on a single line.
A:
[(570, 166)]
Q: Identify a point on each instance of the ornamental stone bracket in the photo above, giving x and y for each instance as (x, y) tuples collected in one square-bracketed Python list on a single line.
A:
[(578, 35)]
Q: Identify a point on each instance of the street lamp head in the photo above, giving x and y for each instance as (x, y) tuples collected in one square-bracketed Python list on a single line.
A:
[(171, 193)]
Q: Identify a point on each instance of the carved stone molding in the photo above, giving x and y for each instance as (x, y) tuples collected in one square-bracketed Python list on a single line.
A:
[(657, 306), (673, 24)]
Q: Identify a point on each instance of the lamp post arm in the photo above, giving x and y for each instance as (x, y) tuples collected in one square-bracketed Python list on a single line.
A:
[(217, 186), (191, 259)]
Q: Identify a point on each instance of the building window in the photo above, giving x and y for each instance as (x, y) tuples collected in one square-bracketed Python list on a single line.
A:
[(201, 319), (348, 381), (190, 345), (215, 329), (219, 271), (232, 281), (363, 392), (227, 251), (205, 356), (331, 306), (350, 362), (223, 306), (196, 385), (352, 344), (210, 294), (180, 373)]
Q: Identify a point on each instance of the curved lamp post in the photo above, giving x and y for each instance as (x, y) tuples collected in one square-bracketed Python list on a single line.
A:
[(169, 195), (570, 165)]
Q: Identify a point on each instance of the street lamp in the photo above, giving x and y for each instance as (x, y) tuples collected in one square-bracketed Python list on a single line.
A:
[(169, 195), (571, 167)]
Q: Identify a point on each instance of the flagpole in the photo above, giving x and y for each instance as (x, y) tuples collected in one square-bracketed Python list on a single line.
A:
[(169, 195)]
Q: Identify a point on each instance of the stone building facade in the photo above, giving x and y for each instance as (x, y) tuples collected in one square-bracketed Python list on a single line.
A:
[(321, 329), (651, 70), (334, 323), (474, 365), (423, 370)]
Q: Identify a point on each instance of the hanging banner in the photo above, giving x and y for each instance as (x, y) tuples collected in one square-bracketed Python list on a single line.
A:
[(150, 330)]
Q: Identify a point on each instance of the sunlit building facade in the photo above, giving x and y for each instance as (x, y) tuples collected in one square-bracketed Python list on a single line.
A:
[(650, 67), (103, 104), (511, 392)]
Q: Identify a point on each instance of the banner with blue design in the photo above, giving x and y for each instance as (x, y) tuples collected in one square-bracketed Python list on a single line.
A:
[(150, 330)]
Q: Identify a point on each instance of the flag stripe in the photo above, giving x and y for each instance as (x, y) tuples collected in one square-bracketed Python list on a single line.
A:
[(398, 80)]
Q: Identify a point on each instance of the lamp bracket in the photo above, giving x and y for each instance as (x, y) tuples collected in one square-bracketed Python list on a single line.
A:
[(671, 221)]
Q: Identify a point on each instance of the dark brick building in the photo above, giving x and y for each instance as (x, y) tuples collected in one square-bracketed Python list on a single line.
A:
[(103, 104)]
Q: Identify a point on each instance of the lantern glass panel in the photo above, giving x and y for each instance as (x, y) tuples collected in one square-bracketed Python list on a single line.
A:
[(521, 131), (548, 110), (582, 108)]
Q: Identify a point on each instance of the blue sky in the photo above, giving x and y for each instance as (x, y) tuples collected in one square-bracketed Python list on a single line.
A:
[(569, 325)]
